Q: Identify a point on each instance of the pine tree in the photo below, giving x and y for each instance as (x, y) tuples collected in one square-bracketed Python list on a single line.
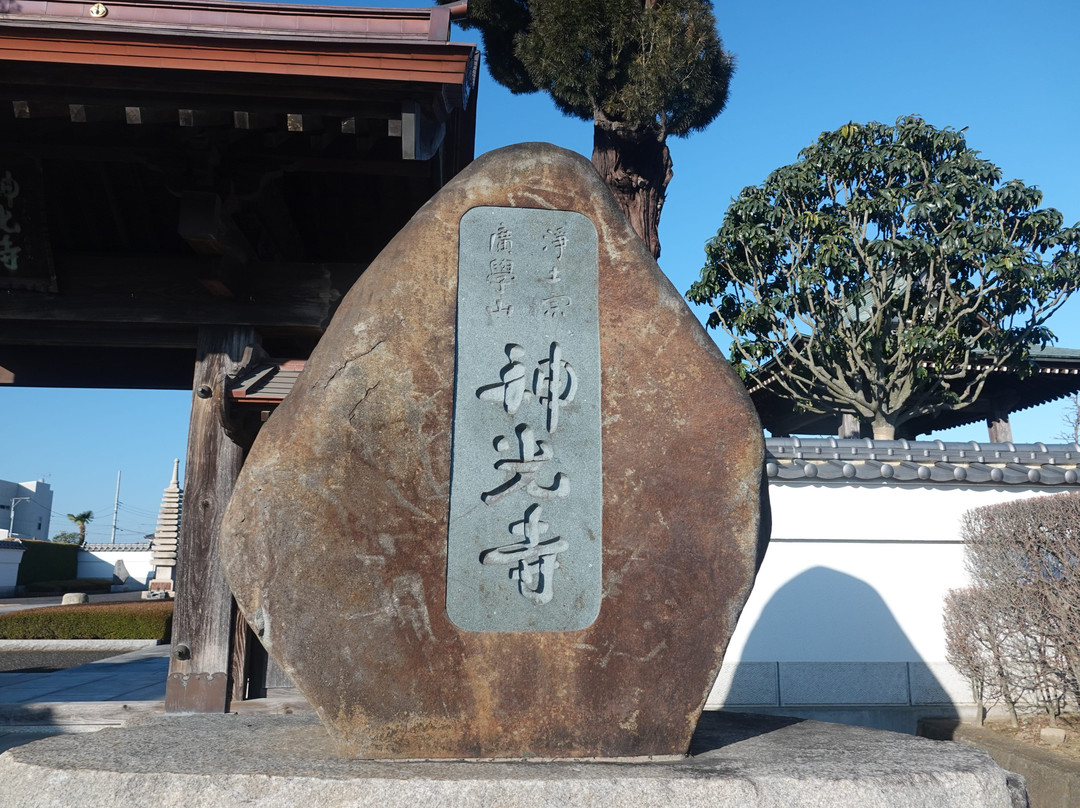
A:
[(641, 70)]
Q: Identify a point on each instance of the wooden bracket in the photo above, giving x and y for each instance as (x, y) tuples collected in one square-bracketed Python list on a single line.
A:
[(241, 425)]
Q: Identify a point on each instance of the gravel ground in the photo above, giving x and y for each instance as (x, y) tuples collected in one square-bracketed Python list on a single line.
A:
[(47, 661)]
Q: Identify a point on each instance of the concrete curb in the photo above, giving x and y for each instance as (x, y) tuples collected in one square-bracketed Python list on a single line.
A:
[(120, 646), (1053, 780)]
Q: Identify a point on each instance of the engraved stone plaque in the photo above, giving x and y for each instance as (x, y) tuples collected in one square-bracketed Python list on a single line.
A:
[(524, 544)]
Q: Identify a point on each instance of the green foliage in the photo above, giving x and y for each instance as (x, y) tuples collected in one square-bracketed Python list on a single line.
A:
[(657, 65), (81, 519), (871, 274), (47, 561), (67, 537), (94, 621)]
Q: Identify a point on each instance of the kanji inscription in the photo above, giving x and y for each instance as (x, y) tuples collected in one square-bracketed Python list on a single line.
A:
[(524, 544)]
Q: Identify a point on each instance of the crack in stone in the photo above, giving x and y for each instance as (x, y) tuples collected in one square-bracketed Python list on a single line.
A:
[(348, 362), (363, 398)]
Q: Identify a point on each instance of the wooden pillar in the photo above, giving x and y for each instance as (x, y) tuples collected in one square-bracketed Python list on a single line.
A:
[(203, 620), (1000, 428), (849, 426)]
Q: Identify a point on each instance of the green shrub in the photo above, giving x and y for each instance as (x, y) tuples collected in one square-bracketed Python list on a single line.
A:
[(46, 561), (150, 620)]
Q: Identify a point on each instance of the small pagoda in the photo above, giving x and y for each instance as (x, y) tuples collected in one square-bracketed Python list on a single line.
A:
[(166, 537)]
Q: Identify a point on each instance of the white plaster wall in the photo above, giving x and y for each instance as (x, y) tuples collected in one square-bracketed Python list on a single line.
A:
[(880, 511), (100, 564), (850, 596), (9, 569)]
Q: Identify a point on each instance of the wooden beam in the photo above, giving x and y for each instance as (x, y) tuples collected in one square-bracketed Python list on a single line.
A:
[(41, 109), (258, 120), (298, 122), (206, 117), (240, 657), (306, 313), (164, 291), (98, 367), (68, 335), (203, 620), (209, 230), (151, 115), (98, 150), (88, 113)]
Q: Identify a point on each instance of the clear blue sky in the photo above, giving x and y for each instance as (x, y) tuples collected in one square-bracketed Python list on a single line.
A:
[(1008, 72)]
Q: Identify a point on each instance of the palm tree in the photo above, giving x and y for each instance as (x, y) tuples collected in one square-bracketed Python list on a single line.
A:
[(81, 519)]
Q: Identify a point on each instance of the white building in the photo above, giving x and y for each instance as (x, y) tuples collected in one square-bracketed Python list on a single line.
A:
[(845, 619), (25, 509)]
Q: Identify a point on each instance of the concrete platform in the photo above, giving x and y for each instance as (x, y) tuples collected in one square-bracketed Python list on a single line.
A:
[(288, 760)]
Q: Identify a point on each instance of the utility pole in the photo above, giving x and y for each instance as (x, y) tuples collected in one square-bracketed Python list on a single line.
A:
[(11, 526), (115, 508)]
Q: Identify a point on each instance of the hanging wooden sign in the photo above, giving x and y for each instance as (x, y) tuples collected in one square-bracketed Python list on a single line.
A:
[(25, 257)]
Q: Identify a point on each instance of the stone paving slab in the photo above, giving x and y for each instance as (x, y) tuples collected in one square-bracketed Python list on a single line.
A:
[(194, 761)]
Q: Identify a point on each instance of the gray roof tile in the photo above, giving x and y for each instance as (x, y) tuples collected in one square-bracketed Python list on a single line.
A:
[(837, 460)]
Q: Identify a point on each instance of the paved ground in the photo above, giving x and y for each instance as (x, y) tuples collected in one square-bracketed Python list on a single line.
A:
[(47, 661), (85, 698), (135, 676), (104, 693)]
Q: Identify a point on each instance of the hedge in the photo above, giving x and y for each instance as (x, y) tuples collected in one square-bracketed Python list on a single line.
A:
[(47, 561), (150, 620)]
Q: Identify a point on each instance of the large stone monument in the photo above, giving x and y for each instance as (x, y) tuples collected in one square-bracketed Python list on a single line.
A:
[(512, 507)]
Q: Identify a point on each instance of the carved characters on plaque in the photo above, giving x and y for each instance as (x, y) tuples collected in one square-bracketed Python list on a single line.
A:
[(527, 454), (25, 253), (9, 249)]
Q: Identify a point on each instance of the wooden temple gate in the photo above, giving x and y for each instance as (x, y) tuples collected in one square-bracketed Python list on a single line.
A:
[(199, 182)]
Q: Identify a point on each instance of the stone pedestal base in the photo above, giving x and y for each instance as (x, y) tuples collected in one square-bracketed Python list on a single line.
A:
[(289, 760), (159, 589)]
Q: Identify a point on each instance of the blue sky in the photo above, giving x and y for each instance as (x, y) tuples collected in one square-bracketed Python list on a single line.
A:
[(1008, 72)]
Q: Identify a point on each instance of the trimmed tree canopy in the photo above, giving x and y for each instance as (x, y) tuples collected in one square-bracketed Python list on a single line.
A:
[(887, 273), (639, 69)]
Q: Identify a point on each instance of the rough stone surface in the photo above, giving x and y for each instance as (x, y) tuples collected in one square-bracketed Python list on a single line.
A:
[(749, 761), (74, 598), (335, 541)]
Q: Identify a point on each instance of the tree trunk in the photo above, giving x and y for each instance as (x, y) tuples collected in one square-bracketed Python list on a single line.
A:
[(884, 431), (636, 165)]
